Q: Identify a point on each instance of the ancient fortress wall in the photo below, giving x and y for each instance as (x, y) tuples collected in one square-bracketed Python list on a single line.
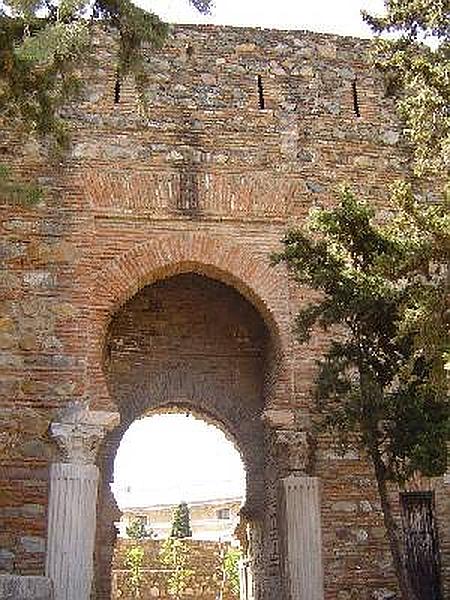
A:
[(245, 131)]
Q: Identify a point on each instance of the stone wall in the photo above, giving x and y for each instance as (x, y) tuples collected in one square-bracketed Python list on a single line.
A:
[(207, 183), (20, 587), (204, 560)]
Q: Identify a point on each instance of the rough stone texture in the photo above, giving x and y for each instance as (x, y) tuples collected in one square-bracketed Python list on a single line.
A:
[(207, 183), (15, 587), (204, 559)]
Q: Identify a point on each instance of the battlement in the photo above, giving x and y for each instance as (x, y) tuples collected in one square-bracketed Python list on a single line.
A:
[(233, 72)]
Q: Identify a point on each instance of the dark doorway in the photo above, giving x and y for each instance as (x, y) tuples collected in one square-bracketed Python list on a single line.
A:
[(422, 548)]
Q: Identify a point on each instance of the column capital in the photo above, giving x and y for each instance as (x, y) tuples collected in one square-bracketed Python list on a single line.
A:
[(294, 450), (78, 432)]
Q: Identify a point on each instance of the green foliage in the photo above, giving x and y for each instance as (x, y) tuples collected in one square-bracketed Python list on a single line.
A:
[(134, 559), (384, 290), (18, 192), (231, 570), (175, 556), (138, 531), (381, 379), (181, 527), (43, 44), (416, 61), (426, 311)]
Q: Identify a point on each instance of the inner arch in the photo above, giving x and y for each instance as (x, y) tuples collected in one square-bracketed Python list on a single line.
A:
[(196, 461)]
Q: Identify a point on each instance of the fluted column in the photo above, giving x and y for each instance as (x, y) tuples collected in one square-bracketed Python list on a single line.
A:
[(301, 537), (72, 502)]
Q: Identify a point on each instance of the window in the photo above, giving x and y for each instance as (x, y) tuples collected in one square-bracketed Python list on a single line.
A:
[(223, 514)]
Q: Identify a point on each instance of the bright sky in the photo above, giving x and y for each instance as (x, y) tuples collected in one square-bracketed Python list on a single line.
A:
[(170, 458), (165, 459), (329, 16)]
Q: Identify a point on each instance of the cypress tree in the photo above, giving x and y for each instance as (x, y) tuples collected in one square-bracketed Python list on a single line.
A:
[(181, 527)]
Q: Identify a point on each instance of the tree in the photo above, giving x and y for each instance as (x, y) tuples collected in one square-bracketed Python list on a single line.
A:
[(137, 531), (181, 527), (386, 287), (175, 555), (416, 63), (42, 44), (16, 191), (377, 386), (230, 568), (426, 309), (134, 558), (417, 67)]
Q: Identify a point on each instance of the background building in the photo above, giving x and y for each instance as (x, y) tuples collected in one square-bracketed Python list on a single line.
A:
[(211, 520)]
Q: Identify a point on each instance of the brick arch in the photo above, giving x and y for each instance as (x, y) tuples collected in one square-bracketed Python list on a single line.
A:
[(248, 446), (120, 279), (169, 393)]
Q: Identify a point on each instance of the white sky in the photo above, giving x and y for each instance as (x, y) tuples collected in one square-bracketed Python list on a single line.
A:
[(165, 459), (170, 458), (329, 16)]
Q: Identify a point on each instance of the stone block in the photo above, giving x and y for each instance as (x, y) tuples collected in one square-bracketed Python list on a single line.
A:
[(279, 417), (384, 594), (6, 324), (33, 544), (16, 587), (344, 506), (6, 560), (7, 341), (39, 279)]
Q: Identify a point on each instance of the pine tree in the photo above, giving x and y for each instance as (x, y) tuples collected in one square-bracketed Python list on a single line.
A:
[(382, 383), (416, 62), (181, 527), (42, 45)]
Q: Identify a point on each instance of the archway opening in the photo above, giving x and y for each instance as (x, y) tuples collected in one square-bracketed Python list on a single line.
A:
[(172, 462), (193, 344), (174, 456)]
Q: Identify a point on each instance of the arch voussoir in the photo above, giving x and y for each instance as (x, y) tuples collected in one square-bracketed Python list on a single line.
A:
[(122, 277), (145, 263)]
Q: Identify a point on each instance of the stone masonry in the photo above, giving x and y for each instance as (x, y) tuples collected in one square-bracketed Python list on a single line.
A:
[(143, 283), (204, 563)]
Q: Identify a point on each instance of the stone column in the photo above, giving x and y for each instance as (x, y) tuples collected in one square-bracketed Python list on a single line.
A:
[(299, 517), (72, 501), (301, 537)]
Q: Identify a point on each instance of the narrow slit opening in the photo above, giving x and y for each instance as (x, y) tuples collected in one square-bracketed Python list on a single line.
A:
[(355, 99), (117, 87), (261, 101)]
